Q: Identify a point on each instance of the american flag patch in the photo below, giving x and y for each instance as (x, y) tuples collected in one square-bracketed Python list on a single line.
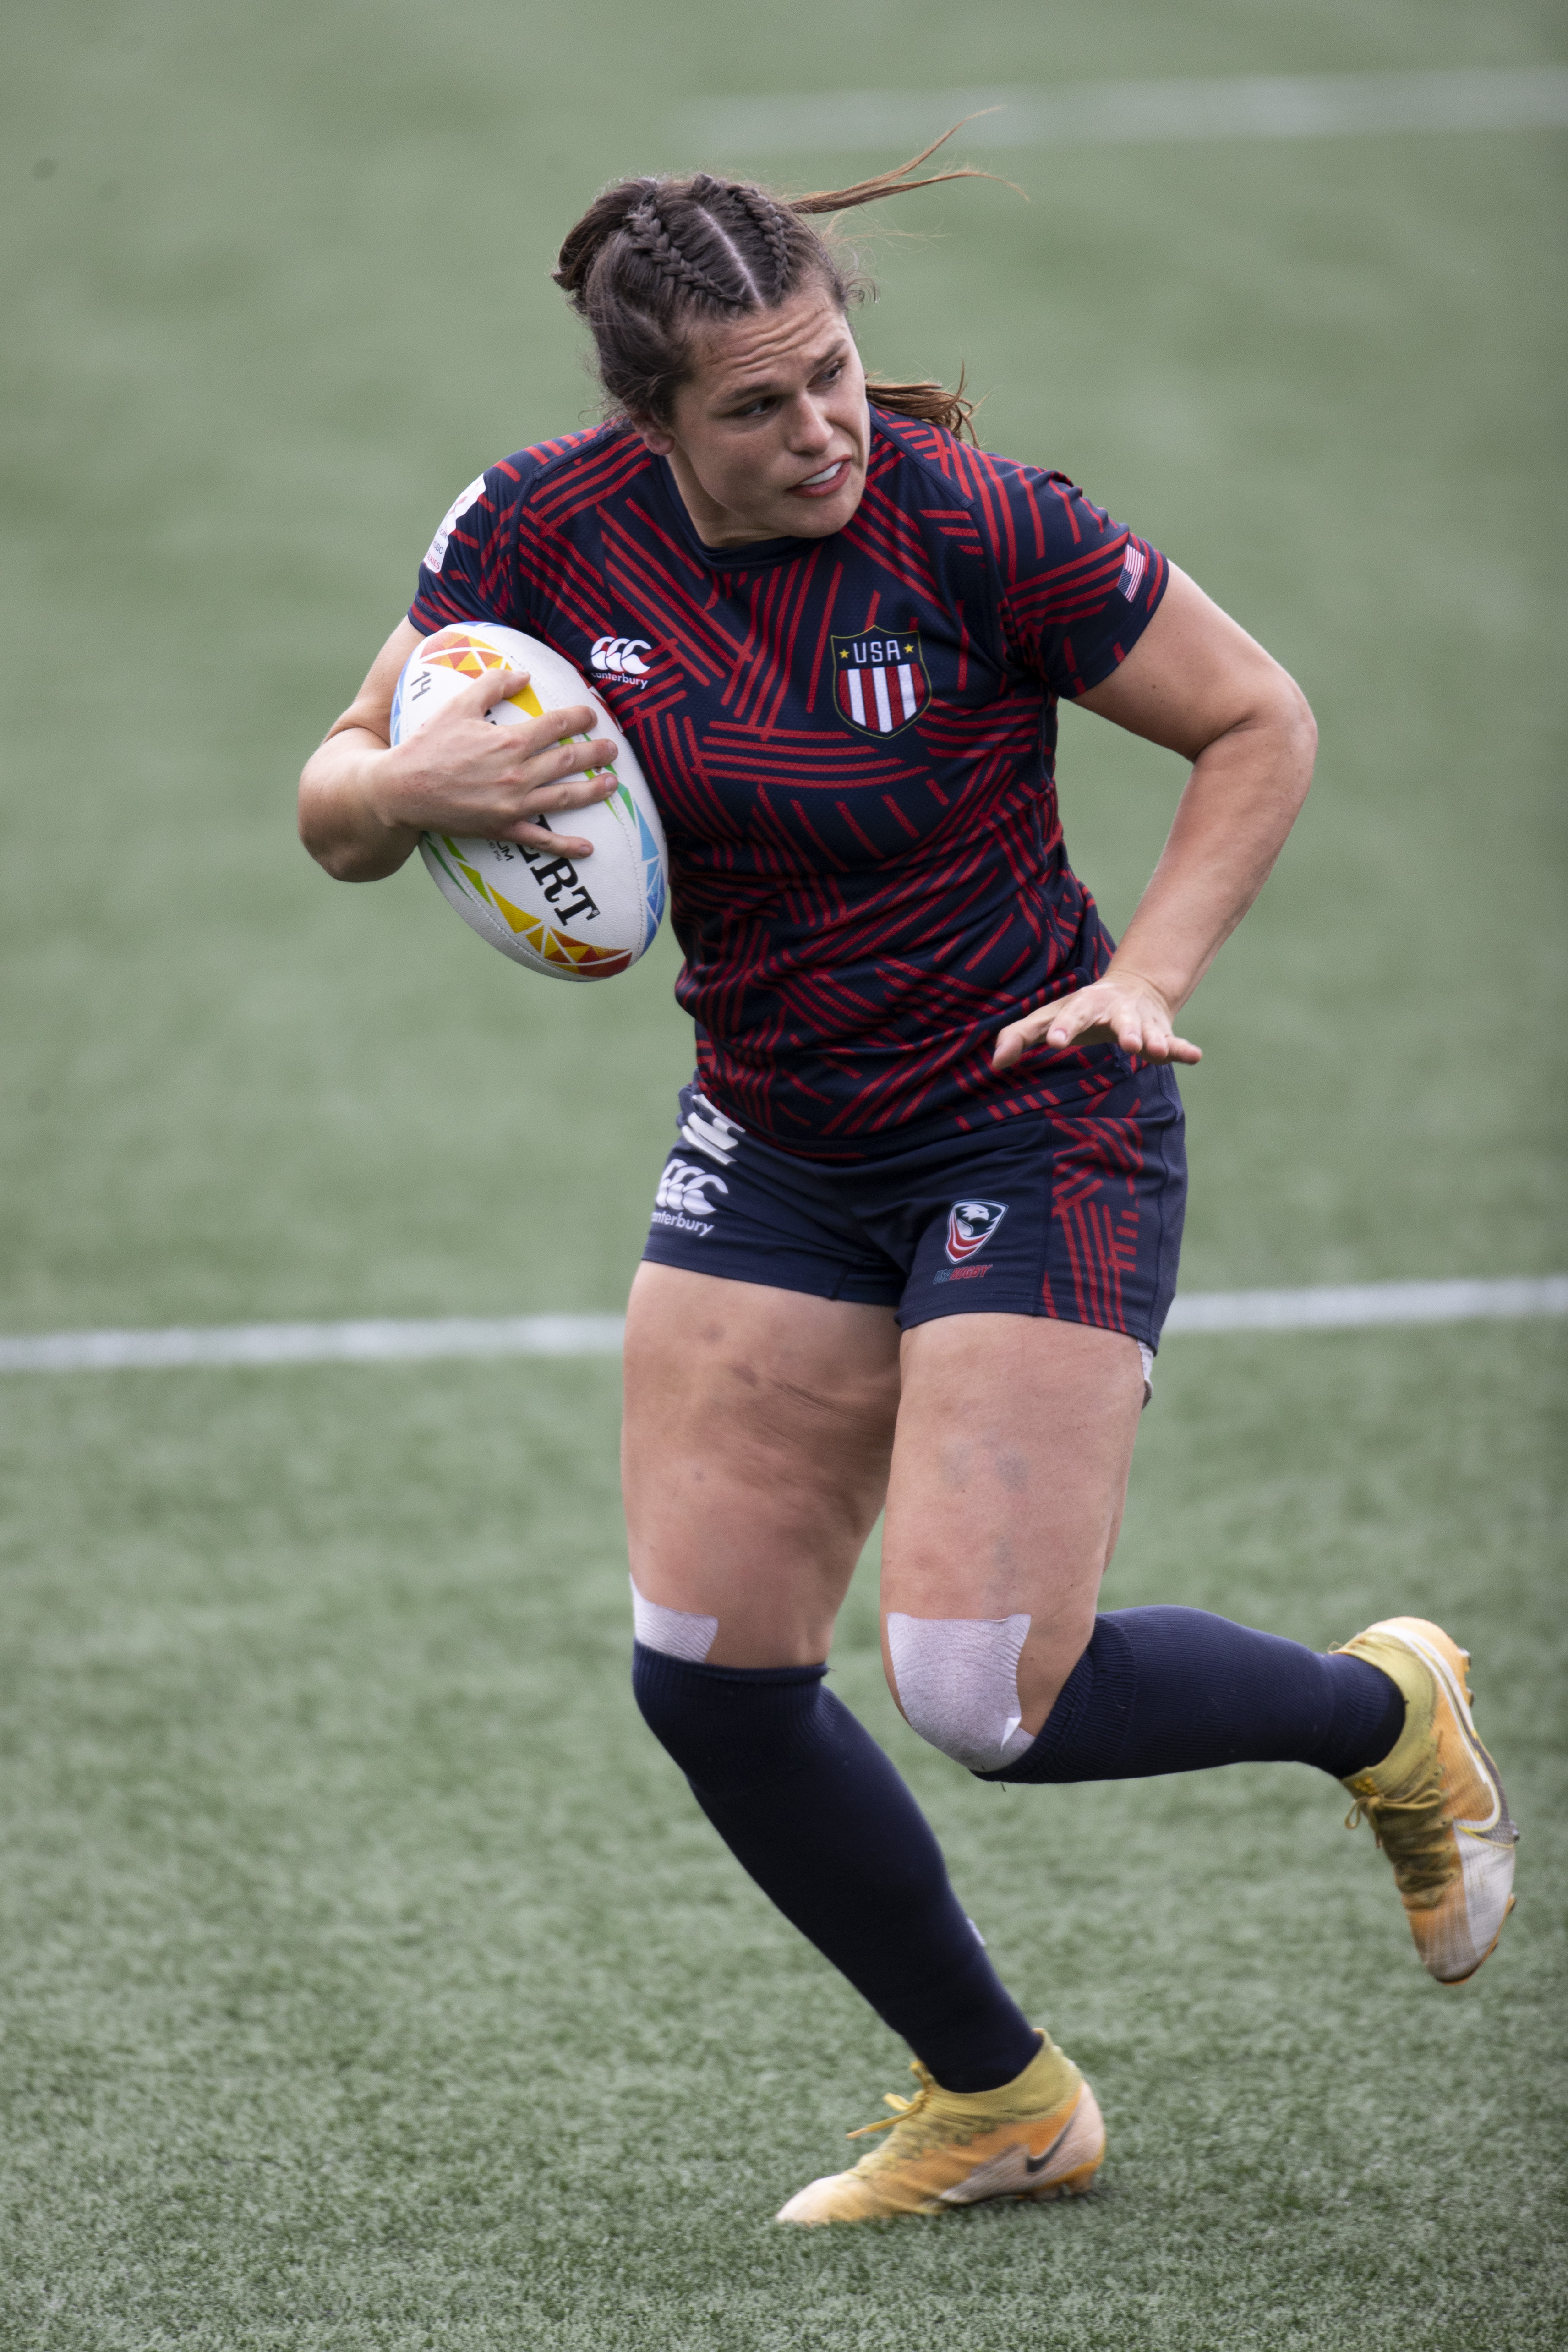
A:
[(879, 682), (1133, 564)]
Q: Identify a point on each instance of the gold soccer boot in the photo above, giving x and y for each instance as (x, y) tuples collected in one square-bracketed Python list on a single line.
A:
[(1039, 2135), (1436, 1804)]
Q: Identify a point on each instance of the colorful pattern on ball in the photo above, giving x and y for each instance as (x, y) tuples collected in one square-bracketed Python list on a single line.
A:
[(507, 891), (582, 961)]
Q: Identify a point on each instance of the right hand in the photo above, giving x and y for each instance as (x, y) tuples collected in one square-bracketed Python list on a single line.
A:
[(463, 775)]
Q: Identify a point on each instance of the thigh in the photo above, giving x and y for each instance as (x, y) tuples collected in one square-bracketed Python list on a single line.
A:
[(759, 1428), (1008, 1475)]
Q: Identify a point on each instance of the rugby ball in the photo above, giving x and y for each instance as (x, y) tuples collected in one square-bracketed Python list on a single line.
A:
[(576, 918)]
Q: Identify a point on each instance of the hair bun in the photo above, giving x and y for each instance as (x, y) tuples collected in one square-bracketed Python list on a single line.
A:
[(583, 244)]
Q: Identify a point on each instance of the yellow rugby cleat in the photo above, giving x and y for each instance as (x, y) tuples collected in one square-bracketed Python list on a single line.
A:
[(1436, 1804), (1040, 2136)]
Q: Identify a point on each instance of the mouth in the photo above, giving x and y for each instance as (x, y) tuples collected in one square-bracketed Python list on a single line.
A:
[(823, 486)]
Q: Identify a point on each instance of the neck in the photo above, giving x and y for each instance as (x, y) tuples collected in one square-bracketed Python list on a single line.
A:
[(715, 526)]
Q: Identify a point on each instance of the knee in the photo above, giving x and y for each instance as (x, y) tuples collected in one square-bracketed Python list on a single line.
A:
[(956, 1682), (729, 1727), (1051, 1659)]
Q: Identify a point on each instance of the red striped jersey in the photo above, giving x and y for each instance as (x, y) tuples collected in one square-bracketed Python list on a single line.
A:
[(852, 740)]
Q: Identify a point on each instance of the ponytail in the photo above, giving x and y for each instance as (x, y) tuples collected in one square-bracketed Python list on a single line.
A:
[(925, 403)]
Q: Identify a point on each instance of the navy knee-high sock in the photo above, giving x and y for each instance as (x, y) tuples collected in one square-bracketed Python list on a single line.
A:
[(806, 1801), (1175, 1690)]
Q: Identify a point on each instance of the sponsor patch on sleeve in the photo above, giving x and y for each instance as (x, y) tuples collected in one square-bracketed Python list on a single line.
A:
[(435, 553)]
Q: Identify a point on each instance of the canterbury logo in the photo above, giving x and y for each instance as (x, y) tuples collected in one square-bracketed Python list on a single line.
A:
[(684, 1190), (620, 656)]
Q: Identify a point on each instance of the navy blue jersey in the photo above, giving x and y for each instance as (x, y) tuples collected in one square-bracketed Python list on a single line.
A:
[(851, 742)]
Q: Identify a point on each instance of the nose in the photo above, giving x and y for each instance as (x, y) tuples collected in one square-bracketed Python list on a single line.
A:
[(810, 432)]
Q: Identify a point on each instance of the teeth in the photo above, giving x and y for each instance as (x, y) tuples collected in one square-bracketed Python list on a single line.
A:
[(825, 476)]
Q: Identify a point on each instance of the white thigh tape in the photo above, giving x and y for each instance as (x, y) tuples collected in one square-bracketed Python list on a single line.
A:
[(957, 1682), (679, 1633)]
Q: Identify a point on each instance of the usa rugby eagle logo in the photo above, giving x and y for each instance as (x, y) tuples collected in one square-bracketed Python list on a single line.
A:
[(879, 681), (970, 1224)]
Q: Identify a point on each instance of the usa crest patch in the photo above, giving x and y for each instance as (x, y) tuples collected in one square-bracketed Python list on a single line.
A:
[(970, 1224), (879, 680)]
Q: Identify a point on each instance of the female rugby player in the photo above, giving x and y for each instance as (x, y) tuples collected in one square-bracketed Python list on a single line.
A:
[(918, 1232)]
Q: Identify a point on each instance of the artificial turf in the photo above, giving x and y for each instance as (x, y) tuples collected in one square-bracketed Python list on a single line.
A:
[(368, 1977), (371, 1978)]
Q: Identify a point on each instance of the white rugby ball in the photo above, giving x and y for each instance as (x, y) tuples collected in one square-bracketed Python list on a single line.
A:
[(576, 918)]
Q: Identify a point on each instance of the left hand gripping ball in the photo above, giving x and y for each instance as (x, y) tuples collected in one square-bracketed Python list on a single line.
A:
[(584, 918)]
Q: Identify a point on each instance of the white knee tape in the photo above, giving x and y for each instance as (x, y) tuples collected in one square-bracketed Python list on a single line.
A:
[(957, 1682), (679, 1633)]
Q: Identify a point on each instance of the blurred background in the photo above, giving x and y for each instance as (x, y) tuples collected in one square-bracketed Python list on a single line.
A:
[(315, 1678), (278, 287)]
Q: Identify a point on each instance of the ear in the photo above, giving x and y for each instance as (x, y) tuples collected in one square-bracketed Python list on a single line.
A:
[(653, 437)]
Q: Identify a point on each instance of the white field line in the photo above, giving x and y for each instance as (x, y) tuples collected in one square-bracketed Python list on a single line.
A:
[(1332, 1309), (1352, 1307), (316, 1343), (1262, 106)]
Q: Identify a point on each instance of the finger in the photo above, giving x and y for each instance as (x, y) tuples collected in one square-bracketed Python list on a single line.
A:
[(1056, 1025), (1014, 1040), (573, 719), (1162, 1047), (548, 801), (571, 793), (1008, 1047), (573, 723), (1069, 1021), (560, 844), (540, 765), (494, 685), (595, 758)]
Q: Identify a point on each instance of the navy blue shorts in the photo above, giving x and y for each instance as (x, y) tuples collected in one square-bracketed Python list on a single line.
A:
[(1076, 1217)]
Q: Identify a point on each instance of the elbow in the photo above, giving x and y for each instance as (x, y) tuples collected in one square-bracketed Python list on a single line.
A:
[(1303, 726), (316, 838), (336, 846), (339, 825), (332, 853), (1298, 734), (344, 861), (335, 864)]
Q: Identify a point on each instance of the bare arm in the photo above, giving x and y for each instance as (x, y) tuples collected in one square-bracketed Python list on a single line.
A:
[(362, 806), (1197, 684)]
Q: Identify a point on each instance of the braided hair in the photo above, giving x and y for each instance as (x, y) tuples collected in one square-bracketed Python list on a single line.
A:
[(652, 260), (647, 233)]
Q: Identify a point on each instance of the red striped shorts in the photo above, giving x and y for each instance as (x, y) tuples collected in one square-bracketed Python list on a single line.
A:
[(1077, 1216)]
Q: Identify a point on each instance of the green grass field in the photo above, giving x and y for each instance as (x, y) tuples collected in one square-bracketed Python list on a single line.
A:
[(368, 1978)]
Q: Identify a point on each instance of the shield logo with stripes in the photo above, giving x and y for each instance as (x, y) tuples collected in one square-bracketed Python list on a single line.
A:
[(880, 681)]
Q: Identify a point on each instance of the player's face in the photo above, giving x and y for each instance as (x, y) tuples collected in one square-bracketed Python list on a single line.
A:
[(769, 435)]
